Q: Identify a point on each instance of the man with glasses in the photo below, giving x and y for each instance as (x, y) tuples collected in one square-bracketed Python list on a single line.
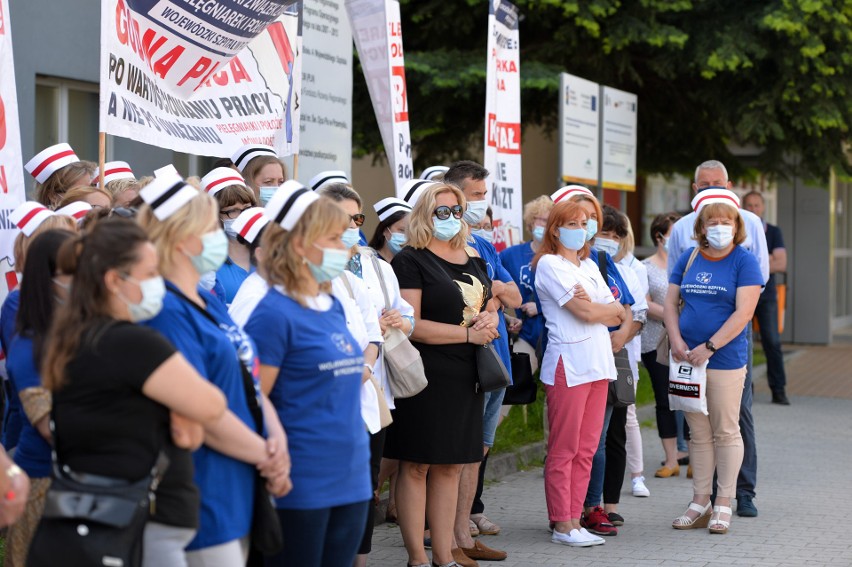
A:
[(470, 177), (712, 174)]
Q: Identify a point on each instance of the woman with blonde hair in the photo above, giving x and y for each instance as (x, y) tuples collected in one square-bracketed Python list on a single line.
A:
[(440, 429), (184, 226), (719, 282), (312, 368), (262, 169), (97, 198)]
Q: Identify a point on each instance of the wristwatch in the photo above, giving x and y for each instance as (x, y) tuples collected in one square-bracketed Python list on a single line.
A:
[(709, 346)]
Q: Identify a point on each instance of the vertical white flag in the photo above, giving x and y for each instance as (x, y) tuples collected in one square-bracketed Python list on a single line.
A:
[(503, 123), (12, 190), (377, 30)]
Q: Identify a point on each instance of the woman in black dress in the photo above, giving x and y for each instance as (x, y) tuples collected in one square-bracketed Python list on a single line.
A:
[(440, 429)]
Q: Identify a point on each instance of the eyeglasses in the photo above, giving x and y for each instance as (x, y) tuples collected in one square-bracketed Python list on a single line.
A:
[(232, 213), (358, 219), (443, 212)]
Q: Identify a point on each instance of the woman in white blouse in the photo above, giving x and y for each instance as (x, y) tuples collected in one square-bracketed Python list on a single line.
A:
[(576, 367)]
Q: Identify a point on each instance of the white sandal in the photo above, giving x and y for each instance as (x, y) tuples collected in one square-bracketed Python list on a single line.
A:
[(715, 521), (686, 523)]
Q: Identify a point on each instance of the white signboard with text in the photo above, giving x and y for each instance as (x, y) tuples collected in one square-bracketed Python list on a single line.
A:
[(579, 130), (618, 139)]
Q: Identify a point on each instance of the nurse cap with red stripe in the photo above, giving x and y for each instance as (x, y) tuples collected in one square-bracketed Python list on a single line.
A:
[(220, 178), (113, 171), (289, 203), (251, 223), (715, 195), (570, 191), (29, 215), (166, 194), (246, 153), (50, 160), (76, 210)]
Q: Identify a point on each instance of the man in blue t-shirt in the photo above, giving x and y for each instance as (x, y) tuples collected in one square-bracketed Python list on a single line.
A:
[(767, 306)]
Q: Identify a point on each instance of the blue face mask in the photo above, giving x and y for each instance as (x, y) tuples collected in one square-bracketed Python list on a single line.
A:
[(572, 238), (214, 251), (396, 242), (538, 233), (333, 263), (266, 194), (484, 233), (445, 229), (611, 247), (350, 237), (475, 212), (591, 229)]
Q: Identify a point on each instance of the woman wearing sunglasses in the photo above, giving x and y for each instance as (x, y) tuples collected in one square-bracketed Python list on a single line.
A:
[(437, 431)]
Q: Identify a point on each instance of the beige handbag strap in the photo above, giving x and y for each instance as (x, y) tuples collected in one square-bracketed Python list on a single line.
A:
[(692, 257)]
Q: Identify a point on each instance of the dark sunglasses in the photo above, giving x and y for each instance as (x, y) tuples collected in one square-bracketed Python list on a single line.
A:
[(123, 212), (233, 213), (443, 212), (358, 219)]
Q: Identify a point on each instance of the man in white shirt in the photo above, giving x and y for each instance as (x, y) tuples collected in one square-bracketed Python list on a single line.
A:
[(712, 174)]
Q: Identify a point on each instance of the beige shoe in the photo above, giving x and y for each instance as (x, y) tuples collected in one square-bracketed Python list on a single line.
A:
[(474, 529), (484, 525)]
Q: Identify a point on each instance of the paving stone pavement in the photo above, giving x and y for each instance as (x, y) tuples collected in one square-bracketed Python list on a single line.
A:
[(804, 496)]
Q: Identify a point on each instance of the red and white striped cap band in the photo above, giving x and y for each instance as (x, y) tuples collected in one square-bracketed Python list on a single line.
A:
[(324, 178), (50, 160), (413, 188), (166, 194), (29, 215), (570, 191), (220, 178), (390, 205), (715, 195), (434, 171), (245, 154), (113, 171), (76, 210), (289, 203), (251, 223)]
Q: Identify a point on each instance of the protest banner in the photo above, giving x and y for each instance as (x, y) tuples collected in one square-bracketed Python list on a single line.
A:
[(201, 76), (12, 190), (503, 123), (377, 30)]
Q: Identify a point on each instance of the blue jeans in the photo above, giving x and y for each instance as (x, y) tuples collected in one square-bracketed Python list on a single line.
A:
[(767, 316), (747, 478), (324, 537), (594, 494)]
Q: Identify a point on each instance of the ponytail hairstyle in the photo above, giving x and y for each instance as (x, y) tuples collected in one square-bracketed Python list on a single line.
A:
[(112, 244), (37, 291), (562, 213)]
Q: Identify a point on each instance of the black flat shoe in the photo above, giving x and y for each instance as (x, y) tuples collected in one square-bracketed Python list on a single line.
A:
[(780, 399)]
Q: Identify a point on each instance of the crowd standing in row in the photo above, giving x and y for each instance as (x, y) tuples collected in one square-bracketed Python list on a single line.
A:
[(233, 326)]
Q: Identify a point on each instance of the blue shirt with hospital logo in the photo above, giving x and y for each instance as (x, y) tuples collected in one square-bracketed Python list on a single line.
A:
[(518, 262), (709, 291)]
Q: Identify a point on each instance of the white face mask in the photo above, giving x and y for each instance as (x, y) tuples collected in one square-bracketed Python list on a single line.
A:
[(720, 236), (611, 247), (484, 233), (153, 291), (475, 212)]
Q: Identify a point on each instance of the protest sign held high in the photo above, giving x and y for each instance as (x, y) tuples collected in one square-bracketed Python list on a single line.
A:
[(503, 123), (201, 77)]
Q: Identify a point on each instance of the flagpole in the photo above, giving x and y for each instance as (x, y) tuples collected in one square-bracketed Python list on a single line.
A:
[(101, 158), (296, 166)]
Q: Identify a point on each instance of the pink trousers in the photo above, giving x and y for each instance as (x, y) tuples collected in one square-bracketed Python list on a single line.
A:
[(575, 415)]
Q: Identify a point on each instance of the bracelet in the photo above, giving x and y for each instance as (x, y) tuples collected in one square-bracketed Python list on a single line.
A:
[(370, 368)]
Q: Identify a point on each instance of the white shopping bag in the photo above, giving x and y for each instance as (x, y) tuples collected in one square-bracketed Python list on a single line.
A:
[(687, 386)]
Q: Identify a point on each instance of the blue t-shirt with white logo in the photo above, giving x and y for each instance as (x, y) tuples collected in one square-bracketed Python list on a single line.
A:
[(317, 397), (518, 262), (709, 291)]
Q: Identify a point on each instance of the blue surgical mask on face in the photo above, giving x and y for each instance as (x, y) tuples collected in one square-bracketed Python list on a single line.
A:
[(720, 236), (611, 247), (228, 225), (445, 229), (153, 291), (572, 238), (484, 233), (396, 241), (333, 263), (538, 233), (350, 237), (214, 251), (266, 194), (475, 212), (591, 229)]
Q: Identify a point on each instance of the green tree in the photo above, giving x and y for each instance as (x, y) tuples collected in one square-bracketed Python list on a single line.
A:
[(772, 76)]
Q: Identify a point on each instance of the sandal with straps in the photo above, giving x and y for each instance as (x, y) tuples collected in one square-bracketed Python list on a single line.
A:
[(715, 520), (686, 523)]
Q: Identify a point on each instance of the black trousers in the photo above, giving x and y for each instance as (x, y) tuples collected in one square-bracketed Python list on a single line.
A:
[(616, 456)]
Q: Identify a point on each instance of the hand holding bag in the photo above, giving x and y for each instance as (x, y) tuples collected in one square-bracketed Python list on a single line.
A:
[(687, 386), (491, 373)]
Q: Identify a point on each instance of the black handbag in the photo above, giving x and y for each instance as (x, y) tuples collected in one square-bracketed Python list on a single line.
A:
[(491, 373), (524, 388), (94, 520), (621, 390)]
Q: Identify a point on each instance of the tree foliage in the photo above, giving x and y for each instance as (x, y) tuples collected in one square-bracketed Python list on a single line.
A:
[(772, 78)]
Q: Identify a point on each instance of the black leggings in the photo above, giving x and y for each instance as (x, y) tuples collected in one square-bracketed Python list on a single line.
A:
[(666, 424), (616, 456), (377, 445)]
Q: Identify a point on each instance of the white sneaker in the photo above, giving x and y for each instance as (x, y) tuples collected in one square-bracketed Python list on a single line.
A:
[(639, 488), (575, 539), (596, 540)]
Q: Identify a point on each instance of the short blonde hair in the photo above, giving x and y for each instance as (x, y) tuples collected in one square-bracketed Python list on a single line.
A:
[(119, 186), (719, 210), (79, 194), (420, 224), (22, 242), (540, 206), (282, 264), (195, 218)]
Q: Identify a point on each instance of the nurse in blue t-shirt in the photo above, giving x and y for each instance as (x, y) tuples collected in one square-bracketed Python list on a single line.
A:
[(719, 283), (312, 370)]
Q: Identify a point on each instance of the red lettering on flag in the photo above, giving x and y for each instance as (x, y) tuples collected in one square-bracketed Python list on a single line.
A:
[(4, 184), (283, 48), (399, 93), (504, 136), (11, 280)]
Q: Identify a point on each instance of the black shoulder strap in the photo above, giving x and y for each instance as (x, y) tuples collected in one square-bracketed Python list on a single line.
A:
[(602, 266)]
